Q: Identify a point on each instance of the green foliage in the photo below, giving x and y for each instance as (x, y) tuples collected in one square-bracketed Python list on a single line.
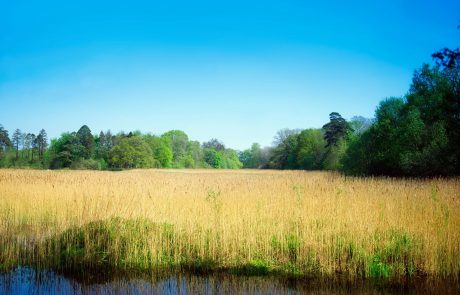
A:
[(214, 144), (448, 58), (357, 160), (284, 154), (415, 136), (333, 157), (106, 244), (378, 268), (336, 130), (360, 124), (132, 152), (293, 245), (230, 159), (161, 151), (41, 143), (256, 267), (397, 255), (16, 141), (89, 164), (177, 140), (310, 149), (4, 140), (195, 155), (253, 157), (104, 142), (86, 140), (64, 151), (213, 158), (9, 160), (246, 158)]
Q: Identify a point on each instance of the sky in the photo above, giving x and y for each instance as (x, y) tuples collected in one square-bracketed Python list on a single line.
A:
[(234, 70)]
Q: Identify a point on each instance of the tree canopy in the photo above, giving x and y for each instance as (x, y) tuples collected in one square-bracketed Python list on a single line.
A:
[(414, 135)]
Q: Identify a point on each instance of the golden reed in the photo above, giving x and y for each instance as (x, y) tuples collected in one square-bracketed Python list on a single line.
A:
[(294, 222)]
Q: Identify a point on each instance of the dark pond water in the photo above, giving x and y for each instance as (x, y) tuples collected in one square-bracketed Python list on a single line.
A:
[(24, 280)]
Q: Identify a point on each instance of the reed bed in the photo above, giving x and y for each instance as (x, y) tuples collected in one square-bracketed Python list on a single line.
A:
[(294, 223)]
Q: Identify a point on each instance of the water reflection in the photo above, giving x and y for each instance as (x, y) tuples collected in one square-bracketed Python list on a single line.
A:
[(24, 280)]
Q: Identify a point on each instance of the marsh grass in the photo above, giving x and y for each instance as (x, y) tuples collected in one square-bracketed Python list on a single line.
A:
[(294, 224)]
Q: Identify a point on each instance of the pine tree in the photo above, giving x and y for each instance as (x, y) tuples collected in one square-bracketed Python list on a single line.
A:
[(17, 141), (336, 129), (42, 143), (4, 140), (86, 139)]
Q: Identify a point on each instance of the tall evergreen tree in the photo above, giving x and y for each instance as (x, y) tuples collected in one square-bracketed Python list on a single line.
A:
[(28, 144), (4, 140), (17, 141), (86, 139), (336, 129), (43, 142)]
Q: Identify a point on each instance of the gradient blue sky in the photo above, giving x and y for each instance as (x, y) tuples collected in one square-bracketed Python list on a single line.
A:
[(235, 70)]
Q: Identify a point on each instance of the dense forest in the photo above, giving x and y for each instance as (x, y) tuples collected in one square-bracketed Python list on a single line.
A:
[(414, 135)]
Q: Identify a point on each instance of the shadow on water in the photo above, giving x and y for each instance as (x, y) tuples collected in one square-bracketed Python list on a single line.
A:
[(26, 280)]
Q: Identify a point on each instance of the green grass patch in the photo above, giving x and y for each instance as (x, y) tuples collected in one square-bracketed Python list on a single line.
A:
[(113, 243)]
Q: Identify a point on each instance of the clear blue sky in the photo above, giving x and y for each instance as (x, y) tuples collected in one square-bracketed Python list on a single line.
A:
[(235, 70)]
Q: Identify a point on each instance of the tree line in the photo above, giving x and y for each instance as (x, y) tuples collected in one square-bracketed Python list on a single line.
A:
[(414, 135), (83, 150)]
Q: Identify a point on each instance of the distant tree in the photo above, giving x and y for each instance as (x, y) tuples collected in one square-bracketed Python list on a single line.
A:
[(16, 138), (86, 139), (103, 144), (131, 152), (214, 144), (4, 140), (109, 139), (37, 146), (230, 159), (246, 158), (253, 157), (336, 129), (360, 124), (42, 143), (178, 141), (417, 135), (213, 158), (284, 155), (385, 137), (333, 158), (310, 149), (256, 155), (266, 153), (64, 151), (283, 134), (448, 58), (33, 144), (100, 150), (28, 144), (22, 143), (359, 156), (195, 154), (161, 151)]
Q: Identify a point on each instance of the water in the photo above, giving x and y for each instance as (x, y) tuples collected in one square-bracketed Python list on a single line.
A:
[(25, 280)]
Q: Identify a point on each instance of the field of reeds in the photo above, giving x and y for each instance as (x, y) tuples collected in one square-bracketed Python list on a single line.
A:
[(293, 223)]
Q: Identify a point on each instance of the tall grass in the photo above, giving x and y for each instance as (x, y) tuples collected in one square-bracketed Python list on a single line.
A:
[(256, 222)]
